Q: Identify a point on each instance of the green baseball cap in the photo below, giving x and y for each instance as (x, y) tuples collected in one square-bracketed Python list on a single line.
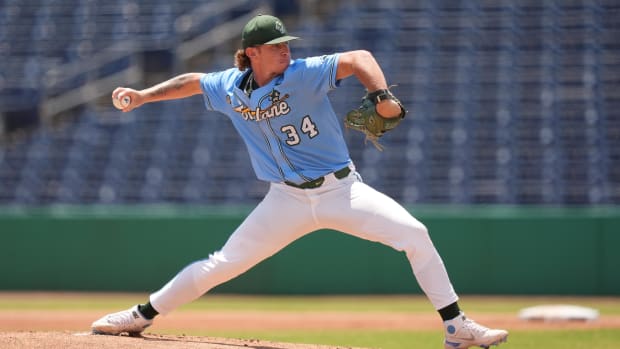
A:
[(264, 30)]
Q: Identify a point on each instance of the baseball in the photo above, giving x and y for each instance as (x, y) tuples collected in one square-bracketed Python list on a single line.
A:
[(121, 103)]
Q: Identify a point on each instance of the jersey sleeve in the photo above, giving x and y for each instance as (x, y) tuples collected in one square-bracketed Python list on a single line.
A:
[(320, 71), (212, 85)]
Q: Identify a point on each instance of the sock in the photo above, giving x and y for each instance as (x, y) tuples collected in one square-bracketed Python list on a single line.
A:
[(450, 312), (147, 310)]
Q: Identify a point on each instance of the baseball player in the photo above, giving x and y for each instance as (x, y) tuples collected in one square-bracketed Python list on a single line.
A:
[(280, 108)]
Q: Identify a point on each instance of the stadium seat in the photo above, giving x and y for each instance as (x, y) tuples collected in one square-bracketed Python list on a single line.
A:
[(511, 102)]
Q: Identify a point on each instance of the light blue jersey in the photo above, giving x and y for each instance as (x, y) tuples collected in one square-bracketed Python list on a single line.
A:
[(289, 126)]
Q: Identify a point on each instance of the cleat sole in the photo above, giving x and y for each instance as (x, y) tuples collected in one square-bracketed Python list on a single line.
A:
[(102, 333)]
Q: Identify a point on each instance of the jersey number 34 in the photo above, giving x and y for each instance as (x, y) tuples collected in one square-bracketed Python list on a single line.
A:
[(307, 127)]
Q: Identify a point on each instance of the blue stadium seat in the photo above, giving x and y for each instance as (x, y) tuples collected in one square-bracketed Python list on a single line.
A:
[(510, 102)]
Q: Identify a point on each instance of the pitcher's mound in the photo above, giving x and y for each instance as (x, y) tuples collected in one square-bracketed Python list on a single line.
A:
[(73, 340)]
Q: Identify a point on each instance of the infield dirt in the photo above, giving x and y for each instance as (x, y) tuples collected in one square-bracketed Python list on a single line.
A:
[(67, 340), (69, 329)]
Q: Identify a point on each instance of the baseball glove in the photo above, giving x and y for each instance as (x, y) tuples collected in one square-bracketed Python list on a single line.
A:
[(366, 119)]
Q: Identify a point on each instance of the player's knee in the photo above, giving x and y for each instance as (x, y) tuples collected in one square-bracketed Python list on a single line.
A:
[(418, 237), (413, 237), (420, 229)]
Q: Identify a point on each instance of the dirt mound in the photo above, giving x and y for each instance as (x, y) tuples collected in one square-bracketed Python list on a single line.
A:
[(80, 340)]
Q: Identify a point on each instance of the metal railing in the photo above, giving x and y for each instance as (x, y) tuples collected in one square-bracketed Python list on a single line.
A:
[(96, 86)]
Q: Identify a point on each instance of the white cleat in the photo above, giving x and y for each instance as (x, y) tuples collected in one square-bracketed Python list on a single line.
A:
[(462, 333), (128, 321)]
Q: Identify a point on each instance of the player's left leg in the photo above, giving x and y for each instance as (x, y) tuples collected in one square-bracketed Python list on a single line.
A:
[(357, 209)]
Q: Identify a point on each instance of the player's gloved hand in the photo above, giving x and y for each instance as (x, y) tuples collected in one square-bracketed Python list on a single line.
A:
[(367, 120)]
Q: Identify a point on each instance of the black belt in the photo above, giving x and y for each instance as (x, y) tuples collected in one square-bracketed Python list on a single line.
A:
[(315, 183)]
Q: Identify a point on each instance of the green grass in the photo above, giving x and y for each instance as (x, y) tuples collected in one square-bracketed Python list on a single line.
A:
[(386, 339), (67, 301), (407, 304)]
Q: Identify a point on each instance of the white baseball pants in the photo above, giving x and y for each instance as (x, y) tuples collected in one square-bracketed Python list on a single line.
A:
[(287, 213)]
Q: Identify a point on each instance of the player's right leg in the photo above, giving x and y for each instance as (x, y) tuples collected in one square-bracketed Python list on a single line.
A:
[(129, 321), (276, 222)]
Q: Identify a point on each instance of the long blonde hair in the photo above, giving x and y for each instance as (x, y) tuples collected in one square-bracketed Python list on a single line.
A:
[(242, 61)]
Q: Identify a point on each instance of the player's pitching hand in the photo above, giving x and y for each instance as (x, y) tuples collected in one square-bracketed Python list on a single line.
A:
[(126, 99)]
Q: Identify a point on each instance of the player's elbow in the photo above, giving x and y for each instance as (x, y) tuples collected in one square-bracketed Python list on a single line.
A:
[(362, 58), (352, 61)]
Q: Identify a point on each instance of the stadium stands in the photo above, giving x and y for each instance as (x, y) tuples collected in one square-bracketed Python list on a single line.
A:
[(511, 102)]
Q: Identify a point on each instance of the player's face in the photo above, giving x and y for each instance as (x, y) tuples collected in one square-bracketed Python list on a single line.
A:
[(275, 58)]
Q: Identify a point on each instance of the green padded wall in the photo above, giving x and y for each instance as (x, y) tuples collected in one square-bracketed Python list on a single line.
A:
[(487, 250)]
